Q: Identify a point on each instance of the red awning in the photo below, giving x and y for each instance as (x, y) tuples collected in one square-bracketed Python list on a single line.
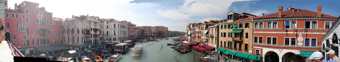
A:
[(199, 49), (202, 48)]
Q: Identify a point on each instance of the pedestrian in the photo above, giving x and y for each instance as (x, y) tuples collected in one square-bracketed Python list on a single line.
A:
[(331, 57), (5, 51), (99, 59)]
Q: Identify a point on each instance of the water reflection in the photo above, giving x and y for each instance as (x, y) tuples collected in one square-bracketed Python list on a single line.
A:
[(158, 51)]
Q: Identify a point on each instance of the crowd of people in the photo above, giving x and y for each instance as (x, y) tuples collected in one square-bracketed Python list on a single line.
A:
[(329, 56)]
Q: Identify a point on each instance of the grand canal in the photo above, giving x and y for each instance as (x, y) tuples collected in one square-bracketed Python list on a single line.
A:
[(158, 51)]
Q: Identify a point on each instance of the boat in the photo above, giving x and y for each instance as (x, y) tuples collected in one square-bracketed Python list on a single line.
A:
[(122, 48), (137, 52)]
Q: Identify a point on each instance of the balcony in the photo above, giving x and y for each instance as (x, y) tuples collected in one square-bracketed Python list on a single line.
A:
[(237, 39), (236, 30)]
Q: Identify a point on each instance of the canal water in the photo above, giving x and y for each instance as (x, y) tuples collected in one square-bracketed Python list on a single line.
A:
[(158, 51)]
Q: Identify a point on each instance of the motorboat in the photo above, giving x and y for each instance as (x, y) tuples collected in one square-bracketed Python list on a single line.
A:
[(137, 51)]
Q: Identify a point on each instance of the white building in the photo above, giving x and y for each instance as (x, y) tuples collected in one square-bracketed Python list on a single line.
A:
[(91, 29), (331, 39)]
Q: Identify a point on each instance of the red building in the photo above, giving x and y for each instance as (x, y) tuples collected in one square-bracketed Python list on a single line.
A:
[(32, 27), (290, 35)]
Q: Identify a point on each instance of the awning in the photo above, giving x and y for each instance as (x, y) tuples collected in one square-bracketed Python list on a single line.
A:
[(305, 53), (239, 54), (247, 56), (203, 47), (224, 51)]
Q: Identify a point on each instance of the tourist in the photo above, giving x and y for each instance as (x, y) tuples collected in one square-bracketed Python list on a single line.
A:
[(6, 52), (99, 59), (86, 59), (331, 57), (315, 57)]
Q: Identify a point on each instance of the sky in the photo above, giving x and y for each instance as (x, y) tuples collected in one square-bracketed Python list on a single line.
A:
[(174, 14)]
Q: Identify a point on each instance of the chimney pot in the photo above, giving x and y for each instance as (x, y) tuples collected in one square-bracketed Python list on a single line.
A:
[(319, 10), (280, 10)]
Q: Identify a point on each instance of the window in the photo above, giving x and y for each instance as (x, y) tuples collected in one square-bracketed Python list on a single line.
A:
[(310, 42), (261, 25), (246, 47), (275, 24), (255, 39), (224, 34), (220, 44), (221, 34), (271, 40), (229, 44), (221, 26), (287, 41), (246, 35), (247, 25), (257, 52), (314, 24), (229, 26), (310, 24), (290, 24), (328, 24), (272, 24), (313, 43), (260, 39), (240, 25), (256, 25), (224, 45), (225, 26), (229, 34), (307, 42), (290, 41)]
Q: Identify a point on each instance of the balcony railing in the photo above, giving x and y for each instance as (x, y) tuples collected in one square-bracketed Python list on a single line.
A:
[(236, 30), (238, 39)]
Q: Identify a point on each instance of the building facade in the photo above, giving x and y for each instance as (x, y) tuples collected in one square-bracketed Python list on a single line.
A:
[(80, 30), (331, 39), (195, 32), (288, 35), (236, 31), (152, 32), (212, 33)]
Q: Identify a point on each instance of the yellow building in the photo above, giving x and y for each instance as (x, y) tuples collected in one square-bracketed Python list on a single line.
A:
[(235, 32)]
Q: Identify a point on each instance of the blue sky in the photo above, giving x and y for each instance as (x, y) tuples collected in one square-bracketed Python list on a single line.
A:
[(174, 14)]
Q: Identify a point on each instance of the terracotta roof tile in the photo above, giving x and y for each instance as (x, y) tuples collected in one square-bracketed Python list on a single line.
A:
[(293, 12)]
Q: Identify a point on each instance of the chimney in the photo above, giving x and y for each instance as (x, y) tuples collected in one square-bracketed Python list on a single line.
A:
[(319, 10), (280, 10)]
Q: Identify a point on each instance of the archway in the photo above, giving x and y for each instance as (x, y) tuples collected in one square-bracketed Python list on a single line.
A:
[(291, 57), (271, 57)]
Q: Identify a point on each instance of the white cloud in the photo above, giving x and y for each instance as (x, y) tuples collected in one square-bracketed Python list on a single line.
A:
[(211, 18), (119, 9), (174, 15), (199, 8), (259, 12)]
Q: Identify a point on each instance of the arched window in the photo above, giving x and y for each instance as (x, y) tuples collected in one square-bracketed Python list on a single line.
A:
[(335, 39)]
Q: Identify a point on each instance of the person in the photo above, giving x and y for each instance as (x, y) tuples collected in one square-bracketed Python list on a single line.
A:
[(331, 57), (315, 57), (5, 51)]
